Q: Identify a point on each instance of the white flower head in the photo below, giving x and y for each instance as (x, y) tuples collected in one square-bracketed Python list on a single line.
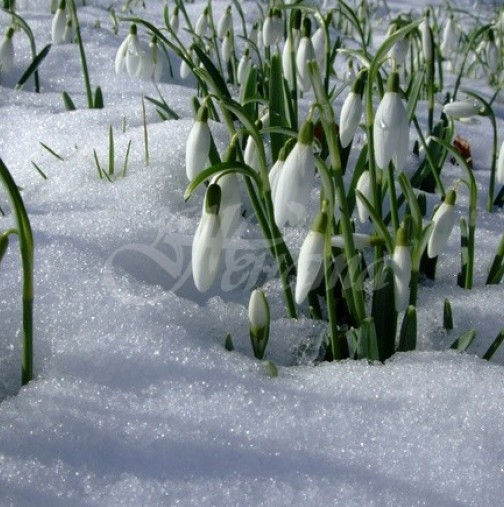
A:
[(427, 43), (152, 62), (461, 109), (58, 23), (401, 265), (443, 220), (492, 52), (295, 179), (202, 24), (259, 322), (174, 20), (129, 54), (7, 51), (449, 40), (225, 23), (364, 187), (351, 113), (311, 257), (198, 144), (304, 55), (207, 241), (391, 128), (227, 47), (272, 27), (287, 67)]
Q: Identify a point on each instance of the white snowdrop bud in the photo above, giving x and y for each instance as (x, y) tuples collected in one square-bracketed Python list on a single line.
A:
[(259, 322), (7, 51), (129, 54), (461, 109), (202, 24), (250, 154), (318, 43), (295, 179), (174, 20), (443, 220), (492, 52), (391, 128), (287, 66), (227, 47), (244, 66), (225, 23), (272, 27), (69, 34), (207, 241), (427, 43), (278, 166), (304, 55), (198, 145), (311, 257), (401, 265), (351, 113), (58, 23), (364, 187), (449, 39), (500, 165)]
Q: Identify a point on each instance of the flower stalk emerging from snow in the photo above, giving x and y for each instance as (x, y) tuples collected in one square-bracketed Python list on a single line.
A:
[(259, 322)]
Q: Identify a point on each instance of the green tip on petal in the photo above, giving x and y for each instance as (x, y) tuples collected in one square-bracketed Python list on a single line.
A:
[(401, 237), (133, 29), (306, 27), (296, 19), (10, 32), (202, 114), (451, 197), (358, 86), (320, 223), (306, 133), (213, 199), (393, 82)]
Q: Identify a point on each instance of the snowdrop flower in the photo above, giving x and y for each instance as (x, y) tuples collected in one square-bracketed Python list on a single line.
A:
[(287, 66), (152, 62), (244, 66), (391, 128), (254, 35), (69, 33), (198, 144), (185, 70), (443, 220), (449, 39), (174, 20), (492, 52), (207, 242), (401, 265), (294, 181), (351, 113), (202, 24), (250, 154), (500, 165), (129, 54), (304, 55), (318, 43), (364, 187), (461, 109), (272, 27), (399, 50), (59, 23), (278, 166), (225, 23), (311, 257), (7, 51), (227, 46), (259, 322), (350, 72)]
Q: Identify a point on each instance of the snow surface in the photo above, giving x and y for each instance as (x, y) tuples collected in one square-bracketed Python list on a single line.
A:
[(137, 403)]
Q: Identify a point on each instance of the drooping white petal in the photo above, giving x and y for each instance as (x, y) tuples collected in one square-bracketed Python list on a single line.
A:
[(120, 59), (350, 116), (244, 66), (134, 55), (399, 51), (391, 131), (58, 26), (201, 25), (318, 43), (364, 187), (500, 165), (250, 155), (273, 176), (294, 185), (309, 263), (230, 205), (206, 251), (461, 109), (401, 264), (6, 55), (287, 67), (226, 49), (305, 54), (197, 149), (258, 310), (444, 220), (225, 24)]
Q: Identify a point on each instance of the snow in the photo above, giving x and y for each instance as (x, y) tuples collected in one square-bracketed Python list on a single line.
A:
[(135, 400)]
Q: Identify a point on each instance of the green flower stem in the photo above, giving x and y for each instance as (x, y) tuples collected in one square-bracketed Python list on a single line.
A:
[(393, 198), (488, 111), (470, 182), (27, 255), (87, 84)]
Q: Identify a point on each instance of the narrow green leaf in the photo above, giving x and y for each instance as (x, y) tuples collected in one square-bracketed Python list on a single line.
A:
[(447, 315), (228, 343), (384, 312), (276, 105), (69, 104), (368, 343), (497, 268), (408, 334), (494, 346), (463, 342), (111, 152), (51, 151), (39, 170), (98, 98), (34, 65)]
